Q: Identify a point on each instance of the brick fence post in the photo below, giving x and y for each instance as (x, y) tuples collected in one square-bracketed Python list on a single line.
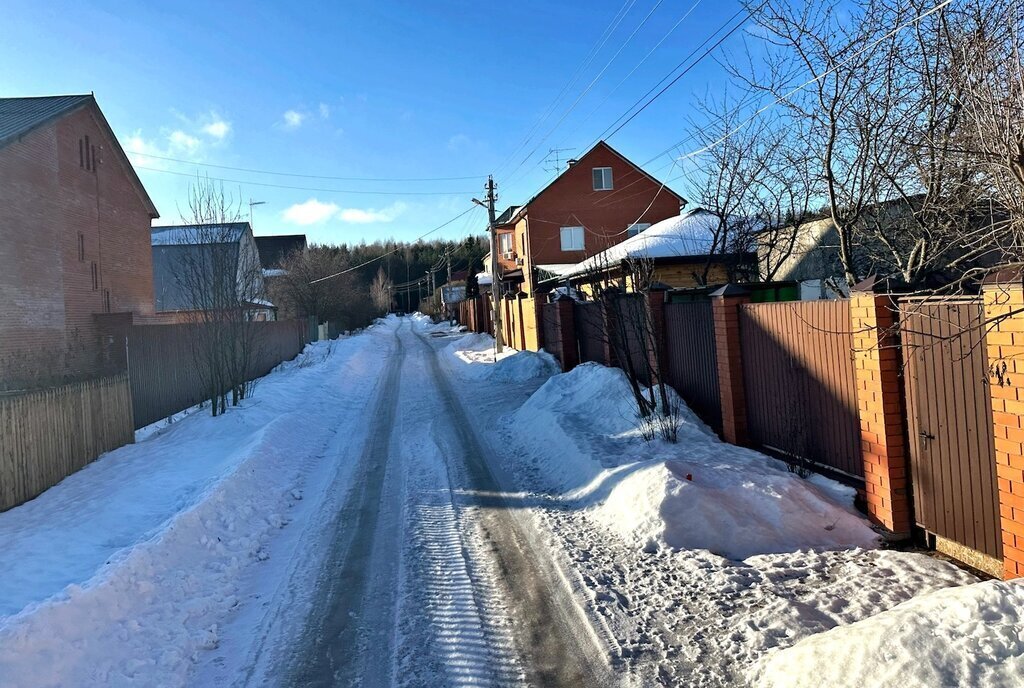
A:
[(609, 322), (1004, 341), (880, 407), (568, 353), (725, 305)]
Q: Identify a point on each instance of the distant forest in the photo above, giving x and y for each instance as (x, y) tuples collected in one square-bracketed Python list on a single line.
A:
[(378, 277)]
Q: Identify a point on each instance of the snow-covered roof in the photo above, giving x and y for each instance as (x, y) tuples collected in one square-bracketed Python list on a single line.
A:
[(689, 234), (558, 269), (483, 278), (183, 235), (274, 272)]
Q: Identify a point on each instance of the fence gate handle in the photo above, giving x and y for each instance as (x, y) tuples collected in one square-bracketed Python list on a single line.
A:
[(926, 435)]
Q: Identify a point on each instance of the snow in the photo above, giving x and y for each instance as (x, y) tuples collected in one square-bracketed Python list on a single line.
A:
[(179, 235), (964, 636), (474, 354), (689, 234), (698, 561), (700, 494), (120, 574)]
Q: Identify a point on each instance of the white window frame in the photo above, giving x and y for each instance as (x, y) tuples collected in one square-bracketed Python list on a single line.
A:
[(636, 228), (506, 245), (607, 182), (572, 233)]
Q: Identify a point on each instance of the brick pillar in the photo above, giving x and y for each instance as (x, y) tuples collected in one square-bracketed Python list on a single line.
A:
[(1004, 302), (656, 307), (725, 304), (568, 353), (880, 407)]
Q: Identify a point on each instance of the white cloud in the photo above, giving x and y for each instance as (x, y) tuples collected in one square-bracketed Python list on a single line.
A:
[(217, 128), (325, 110), (362, 216), (311, 212), (293, 119), (181, 141), (315, 212)]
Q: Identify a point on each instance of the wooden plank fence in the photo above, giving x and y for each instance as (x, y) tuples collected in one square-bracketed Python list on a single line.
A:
[(47, 435)]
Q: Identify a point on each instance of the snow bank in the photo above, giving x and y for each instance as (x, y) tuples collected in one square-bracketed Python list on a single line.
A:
[(474, 356), (701, 493), (963, 636), (120, 574)]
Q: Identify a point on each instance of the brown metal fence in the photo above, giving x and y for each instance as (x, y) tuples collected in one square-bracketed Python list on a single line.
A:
[(47, 435), (799, 381), (590, 332), (692, 359), (630, 334), (165, 378), (552, 336), (949, 421)]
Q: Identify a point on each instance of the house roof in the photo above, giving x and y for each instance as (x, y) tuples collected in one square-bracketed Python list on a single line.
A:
[(274, 249), (517, 213), (690, 234), (21, 116), (185, 235)]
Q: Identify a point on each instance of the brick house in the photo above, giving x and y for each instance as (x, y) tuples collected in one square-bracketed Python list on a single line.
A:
[(74, 235), (596, 202)]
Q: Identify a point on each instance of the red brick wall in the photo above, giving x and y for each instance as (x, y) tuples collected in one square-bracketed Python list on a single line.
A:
[(47, 298), (572, 201)]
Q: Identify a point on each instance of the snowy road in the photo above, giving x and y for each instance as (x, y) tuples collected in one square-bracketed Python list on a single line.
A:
[(400, 509), (429, 574)]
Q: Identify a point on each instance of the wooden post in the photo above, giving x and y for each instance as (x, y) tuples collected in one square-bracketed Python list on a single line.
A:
[(725, 304), (880, 407)]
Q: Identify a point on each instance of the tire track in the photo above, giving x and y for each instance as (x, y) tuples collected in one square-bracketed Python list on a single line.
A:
[(327, 650), (553, 635)]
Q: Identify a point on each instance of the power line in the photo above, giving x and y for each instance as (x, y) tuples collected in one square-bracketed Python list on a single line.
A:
[(303, 176), (606, 135), (812, 80), (605, 35), (396, 249), (307, 188)]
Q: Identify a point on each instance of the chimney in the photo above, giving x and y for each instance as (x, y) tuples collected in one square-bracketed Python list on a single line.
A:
[(570, 162)]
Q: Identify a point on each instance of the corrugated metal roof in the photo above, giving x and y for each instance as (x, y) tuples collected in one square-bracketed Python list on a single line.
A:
[(19, 116), (183, 235)]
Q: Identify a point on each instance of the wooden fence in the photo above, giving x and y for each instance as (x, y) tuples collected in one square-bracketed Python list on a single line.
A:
[(47, 435)]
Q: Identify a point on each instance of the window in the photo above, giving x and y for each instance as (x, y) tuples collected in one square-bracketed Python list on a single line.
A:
[(106, 300), (88, 161), (95, 276), (602, 178), (637, 227), (572, 238), (81, 247), (81, 153), (93, 153), (505, 245)]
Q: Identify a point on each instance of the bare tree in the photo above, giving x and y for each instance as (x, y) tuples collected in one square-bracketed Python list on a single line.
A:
[(219, 278), (319, 283), (380, 291)]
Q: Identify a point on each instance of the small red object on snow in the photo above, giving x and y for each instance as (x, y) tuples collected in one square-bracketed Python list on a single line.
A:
[(689, 476)]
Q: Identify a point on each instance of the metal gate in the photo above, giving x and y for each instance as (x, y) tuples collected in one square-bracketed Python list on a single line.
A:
[(949, 419)]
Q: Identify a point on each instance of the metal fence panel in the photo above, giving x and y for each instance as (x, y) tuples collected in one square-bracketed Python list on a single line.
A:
[(798, 372), (691, 358)]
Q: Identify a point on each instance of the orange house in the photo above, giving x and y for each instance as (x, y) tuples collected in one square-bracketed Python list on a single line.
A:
[(597, 201)]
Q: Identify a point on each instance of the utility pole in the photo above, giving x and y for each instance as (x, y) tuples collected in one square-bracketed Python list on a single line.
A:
[(495, 282)]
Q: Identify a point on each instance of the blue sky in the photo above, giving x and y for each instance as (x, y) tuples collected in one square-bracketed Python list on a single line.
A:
[(363, 88)]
